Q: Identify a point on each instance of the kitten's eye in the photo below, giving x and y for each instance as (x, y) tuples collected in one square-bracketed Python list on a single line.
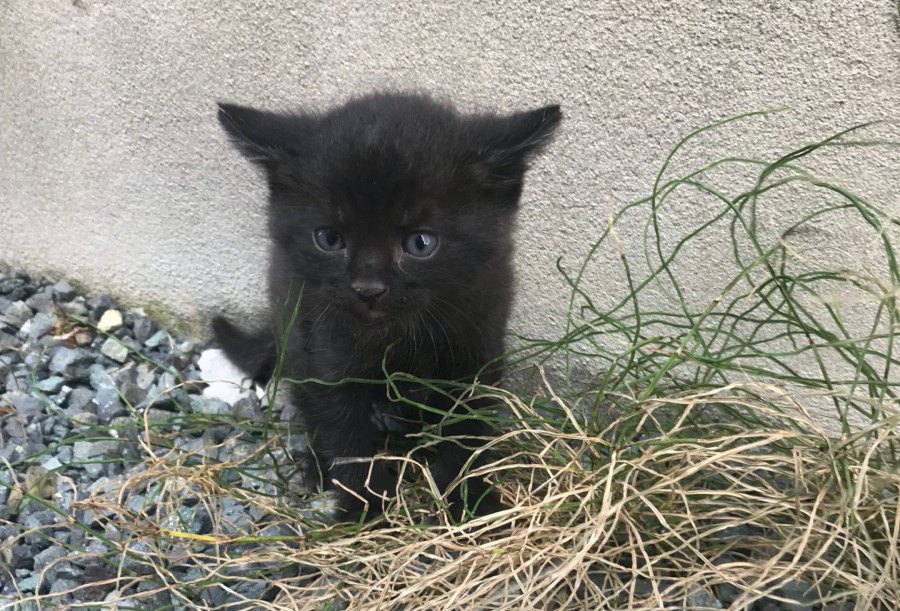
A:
[(420, 244), (328, 239)]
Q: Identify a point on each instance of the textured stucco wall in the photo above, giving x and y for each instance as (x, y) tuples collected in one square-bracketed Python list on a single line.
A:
[(113, 169)]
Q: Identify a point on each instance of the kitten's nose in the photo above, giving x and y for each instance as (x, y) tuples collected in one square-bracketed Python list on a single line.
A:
[(369, 291)]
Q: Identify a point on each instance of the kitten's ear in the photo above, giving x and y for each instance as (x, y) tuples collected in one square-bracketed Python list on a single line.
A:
[(512, 140), (263, 137)]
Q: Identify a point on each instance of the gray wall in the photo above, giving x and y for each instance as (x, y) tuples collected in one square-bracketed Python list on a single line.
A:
[(113, 170)]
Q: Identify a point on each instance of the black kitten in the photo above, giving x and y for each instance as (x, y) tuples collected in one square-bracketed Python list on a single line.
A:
[(393, 215)]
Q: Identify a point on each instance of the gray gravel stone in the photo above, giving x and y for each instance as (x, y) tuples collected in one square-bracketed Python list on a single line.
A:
[(159, 338), (85, 450), (64, 454), (40, 301), (63, 585), (146, 376), (64, 290), (17, 313), (84, 419), (51, 464), (50, 385), (74, 308), (25, 404), (202, 405), (79, 398), (132, 393), (28, 584), (100, 378), (71, 363), (94, 469), (143, 328), (8, 341), (98, 305), (114, 350), (109, 405), (46, 558), (40, 324)]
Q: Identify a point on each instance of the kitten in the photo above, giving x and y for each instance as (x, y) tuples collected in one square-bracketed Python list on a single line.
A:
[(392, 214)]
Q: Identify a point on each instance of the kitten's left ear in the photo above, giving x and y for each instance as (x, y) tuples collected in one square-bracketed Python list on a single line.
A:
[(513, 140), (263, 137)]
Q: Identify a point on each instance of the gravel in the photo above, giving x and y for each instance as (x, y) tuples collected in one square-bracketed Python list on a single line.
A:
[(82, 383), (79, 378)]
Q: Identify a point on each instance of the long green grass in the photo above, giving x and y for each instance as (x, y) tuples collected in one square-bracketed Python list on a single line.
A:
[(717, 423)]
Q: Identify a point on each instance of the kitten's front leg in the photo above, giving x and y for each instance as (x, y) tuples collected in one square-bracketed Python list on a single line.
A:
[(339, 421), (474, 496)]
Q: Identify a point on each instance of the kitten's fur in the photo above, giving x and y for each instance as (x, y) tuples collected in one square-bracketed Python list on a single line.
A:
[(380, 170)]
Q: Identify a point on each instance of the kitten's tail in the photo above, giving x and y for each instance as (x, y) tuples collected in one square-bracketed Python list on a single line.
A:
[(254, 352)]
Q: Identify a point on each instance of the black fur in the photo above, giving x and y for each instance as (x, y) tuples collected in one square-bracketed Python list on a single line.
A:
[(376, 170)]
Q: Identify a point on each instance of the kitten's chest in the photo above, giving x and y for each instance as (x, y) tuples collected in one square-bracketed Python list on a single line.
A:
[(368, 354)]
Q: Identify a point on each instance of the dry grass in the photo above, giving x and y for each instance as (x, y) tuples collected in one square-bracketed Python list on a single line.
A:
[(660, 506)]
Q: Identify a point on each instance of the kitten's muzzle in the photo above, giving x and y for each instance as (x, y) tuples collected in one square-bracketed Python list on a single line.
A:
[(369, 292)]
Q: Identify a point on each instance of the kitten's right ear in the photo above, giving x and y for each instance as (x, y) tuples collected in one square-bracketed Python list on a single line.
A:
[(263, 137)]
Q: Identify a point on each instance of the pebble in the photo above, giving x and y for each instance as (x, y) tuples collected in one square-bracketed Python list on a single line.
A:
[(157, 339), (41, 324), (110, 321), (64, 290), (115, 350), (25, 404), (17, 313), (51, 385), (72, 364)]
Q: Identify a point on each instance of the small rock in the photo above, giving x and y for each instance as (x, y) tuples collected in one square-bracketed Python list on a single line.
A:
[(8, 342), (63, 585), (51, 464), (210, 405), (100, 378), (110, 321), (83, 338), (84, 419), (93, 470), (113, 349), (50, 555), (98, 305), (109, 405), (64, 290), (21, 556), (17, 313), (71, 363), (64, 454), (40, 301), (143, 329), (248, 408), (51, 385), (135, 503), (158, 338), (146, 375), (194, 520), (74, 308), (84, 450), (25, 404), (132, 393), (79, 398), (28, 584), (40, 324)]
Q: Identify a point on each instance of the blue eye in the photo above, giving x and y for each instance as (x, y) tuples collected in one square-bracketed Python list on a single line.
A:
[(420, 244), (328, 239)]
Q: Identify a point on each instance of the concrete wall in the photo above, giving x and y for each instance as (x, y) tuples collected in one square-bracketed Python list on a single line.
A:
[(113, 170)]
